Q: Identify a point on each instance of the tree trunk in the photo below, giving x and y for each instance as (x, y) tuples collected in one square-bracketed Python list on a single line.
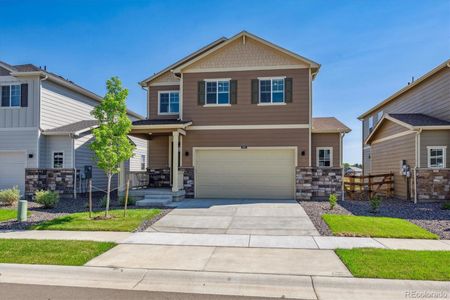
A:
[(108, 195)]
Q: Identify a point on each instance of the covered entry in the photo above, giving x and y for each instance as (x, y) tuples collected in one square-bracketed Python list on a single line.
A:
[(265, 173)]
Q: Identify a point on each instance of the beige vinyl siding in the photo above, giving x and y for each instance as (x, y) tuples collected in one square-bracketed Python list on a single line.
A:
[(251, 138), (21, 140), (387, 129), (85, 157), (153, 101), (57, 144), (387, 157), (21, 116), (433, 138), (141, 149), (158, 152), (244, 112), (61, 106), (326, 140)]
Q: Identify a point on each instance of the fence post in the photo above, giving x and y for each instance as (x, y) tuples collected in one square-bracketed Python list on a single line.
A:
[(90, 198), (126, 196), (370, 187)]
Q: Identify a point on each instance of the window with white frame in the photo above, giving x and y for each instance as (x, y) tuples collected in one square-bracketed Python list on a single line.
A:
[(271, 90), (11, 95), (142, 162), (437, 156), (217, 92), (324, 156), (169, 102), (58, 160)]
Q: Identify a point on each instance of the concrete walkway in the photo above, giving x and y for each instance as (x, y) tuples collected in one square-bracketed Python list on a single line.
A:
[(98, 236), (220, 283)]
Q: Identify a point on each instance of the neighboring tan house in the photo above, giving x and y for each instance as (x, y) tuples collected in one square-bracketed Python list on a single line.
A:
[(235, 119), (410, 131), (45, 132)]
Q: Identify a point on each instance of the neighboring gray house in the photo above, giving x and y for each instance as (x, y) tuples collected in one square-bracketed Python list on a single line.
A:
[(45, 132)]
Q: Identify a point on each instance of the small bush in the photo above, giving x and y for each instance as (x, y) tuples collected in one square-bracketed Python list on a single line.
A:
[(131, 201), (103, 201), (333, 201), (9, 196), (446, 206), (47, 198), (375, 203)]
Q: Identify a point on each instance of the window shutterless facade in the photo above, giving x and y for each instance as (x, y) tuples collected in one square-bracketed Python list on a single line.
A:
[(271, 90), (11, 95), (437, 156), (324, 156), (58, 160), (168, 102), (217, 91)]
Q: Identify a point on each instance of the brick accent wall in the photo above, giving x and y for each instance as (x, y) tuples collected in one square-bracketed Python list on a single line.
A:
[(159, 178), (433, 184), (189, 182), (318, 183), (59, 180)]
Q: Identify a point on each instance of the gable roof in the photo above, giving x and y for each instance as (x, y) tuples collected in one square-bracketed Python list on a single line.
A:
[(328, 125), (32, 70), (242, 34), (73, 128), (445, 64)]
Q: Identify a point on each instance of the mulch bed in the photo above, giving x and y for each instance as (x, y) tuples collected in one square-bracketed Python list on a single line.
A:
[(67, 206), (427, 215)]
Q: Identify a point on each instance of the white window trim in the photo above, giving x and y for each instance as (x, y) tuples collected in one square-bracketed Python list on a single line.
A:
[(217, 104), (331, 156), (10, 96), (271, 91), (444, 156), (53, 159), (159, 103)]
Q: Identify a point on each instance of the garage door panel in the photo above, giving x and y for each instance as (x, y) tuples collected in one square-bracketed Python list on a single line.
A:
[(12, 170), (246, 173)]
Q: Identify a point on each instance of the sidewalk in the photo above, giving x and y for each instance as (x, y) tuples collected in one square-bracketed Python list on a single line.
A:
[(232, 240), (219, 283)]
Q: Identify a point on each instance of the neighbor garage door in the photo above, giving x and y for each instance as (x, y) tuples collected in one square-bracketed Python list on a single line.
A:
[(12, 170), (245, 173)]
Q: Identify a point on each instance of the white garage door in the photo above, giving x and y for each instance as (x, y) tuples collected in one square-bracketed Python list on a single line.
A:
[(245, 173), (12, 170)]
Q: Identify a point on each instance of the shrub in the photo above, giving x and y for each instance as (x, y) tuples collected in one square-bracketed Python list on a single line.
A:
[(103, 201), (9, 196), (333, 200), (47, 198), (131, 201), (375, 203), (446, 205)]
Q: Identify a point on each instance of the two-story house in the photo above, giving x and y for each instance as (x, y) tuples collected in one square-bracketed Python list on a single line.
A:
[(234, 120), (409, 134), (45, 132)]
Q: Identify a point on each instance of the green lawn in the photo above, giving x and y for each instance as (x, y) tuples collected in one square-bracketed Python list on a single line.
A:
[(8, 214), (397, 264), (81, 221), (50, 252), (375, 227)]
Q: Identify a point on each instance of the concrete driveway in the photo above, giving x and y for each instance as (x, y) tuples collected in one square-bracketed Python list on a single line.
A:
[(255, 217)]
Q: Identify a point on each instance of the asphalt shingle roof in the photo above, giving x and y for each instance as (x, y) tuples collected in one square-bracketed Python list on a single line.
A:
[(159, 122), (72, 128), (419, 120), (328, 124)]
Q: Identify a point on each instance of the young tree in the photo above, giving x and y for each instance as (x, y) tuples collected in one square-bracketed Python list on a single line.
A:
[(111, 144)]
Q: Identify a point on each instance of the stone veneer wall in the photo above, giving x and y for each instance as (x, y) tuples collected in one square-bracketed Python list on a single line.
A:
[(318, 183), (59, 180), (159, 178), (433, 184), (188, 182)]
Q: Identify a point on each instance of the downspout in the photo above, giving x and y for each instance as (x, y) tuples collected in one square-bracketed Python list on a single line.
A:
[(417, 163), (72, 137), (148, 106), (341, 158), (38, 156)]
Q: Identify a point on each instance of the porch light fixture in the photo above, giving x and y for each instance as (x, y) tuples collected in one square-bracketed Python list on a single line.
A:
[(303, 153), (186, 153), (243, 146)]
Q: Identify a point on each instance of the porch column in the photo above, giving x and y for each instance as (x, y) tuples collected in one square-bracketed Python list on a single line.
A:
[(175, 141)]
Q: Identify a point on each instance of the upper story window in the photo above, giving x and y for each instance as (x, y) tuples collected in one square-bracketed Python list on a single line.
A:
[(437, 156), (324, 156), (271, 90), (169, 102), (370, 124), (11, 95), (217, 92), (58, 160)]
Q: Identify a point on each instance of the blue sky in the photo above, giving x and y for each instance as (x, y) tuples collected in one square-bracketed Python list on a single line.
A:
[(368, 49)]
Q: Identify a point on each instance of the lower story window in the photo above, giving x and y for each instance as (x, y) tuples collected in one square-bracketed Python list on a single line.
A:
[(142, 162), (437, 156), (324, 156), (58, 160)]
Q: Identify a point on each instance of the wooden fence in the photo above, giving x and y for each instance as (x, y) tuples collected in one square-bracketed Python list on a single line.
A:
[(364, 187)]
